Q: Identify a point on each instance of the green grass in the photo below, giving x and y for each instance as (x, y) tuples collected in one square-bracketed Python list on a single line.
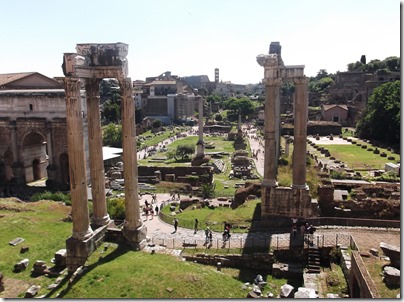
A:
[(358, 158), (111, 273), (335, 282), (129, 275), (215, 218), (40, 224)]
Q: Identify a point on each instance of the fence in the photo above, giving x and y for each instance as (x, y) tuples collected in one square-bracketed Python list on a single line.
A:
[(256, 241), (354, 222)]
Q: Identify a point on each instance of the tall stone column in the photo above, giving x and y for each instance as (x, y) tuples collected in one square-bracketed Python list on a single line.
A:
[(300, 133), (77, 162), (200, 145), (272, 87), (97, 173), (133, 228)]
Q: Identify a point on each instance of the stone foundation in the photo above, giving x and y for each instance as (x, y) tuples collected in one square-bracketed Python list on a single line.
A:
[(280, 204), (77, 251), (136, 238)]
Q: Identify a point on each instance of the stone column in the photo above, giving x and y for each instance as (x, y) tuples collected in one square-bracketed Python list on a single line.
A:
[(133, 229), (300, 133), (49, 142), (97, 174), (77, 162), (200, 146), (272, 87)]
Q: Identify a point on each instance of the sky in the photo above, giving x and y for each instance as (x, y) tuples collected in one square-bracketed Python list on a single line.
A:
[(193, 37)]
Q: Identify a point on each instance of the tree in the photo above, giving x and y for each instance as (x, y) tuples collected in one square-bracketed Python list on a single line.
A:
[(156, 124), (111, 112), (112, 135), (183, 150), (208, 190), (381, 119), (218, 117), (243, 106)]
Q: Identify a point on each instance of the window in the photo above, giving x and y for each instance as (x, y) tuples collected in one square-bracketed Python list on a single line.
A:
[(31, 107)]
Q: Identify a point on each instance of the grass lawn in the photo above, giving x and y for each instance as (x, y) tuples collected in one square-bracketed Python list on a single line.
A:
[(111, 273), (215, 218), (358, 158)]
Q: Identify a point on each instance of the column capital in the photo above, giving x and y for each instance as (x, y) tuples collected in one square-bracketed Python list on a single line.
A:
[(126, 87), (301, 80), (272, 82), (72, 86), (93, 87)]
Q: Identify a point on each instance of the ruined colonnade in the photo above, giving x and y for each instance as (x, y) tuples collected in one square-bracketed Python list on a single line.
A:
[(89, 66), (279, 204)]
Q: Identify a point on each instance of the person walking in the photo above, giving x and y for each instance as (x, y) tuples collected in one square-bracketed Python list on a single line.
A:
[(196, 226), (156, 209), (175, 225)]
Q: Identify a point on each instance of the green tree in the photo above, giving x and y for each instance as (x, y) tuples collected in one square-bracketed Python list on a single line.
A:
[(111, 112), (112, 135), (381, 119), (208, 190), (218, 117), (236, 106), (156, 124), (183, 150)]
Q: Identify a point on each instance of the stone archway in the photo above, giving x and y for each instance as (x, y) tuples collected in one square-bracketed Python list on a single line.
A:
[(34, 156), (8, 165)]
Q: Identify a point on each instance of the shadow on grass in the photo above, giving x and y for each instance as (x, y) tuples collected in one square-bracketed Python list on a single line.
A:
[(71, 280)]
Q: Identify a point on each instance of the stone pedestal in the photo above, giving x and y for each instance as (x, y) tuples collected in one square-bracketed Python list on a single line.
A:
[(77, 251), (136, 237)]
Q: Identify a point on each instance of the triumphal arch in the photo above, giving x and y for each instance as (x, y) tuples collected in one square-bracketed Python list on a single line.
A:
[(86, 68), (279, 204)]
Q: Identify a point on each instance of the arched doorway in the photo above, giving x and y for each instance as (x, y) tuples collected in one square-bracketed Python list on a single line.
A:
[(3, 179), (64, 168), (34, 156), (36, 169), (8, 165)]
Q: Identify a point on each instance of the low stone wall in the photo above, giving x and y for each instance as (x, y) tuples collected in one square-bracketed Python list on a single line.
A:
[(360, 282), (177, 171)]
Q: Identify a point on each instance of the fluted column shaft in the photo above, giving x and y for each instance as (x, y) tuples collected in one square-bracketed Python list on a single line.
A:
[(77, 162), (272, 87), (132, 220), (97, 173), (300, 133)]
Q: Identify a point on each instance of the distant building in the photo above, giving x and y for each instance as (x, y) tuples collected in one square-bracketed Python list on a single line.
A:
[(33, 130), (168, 99), (334, 113)]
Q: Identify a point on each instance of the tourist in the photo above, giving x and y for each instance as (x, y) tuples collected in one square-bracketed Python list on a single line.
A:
[(196, 226), (156, 209), (208, 235), (151, 213), (175, 225)]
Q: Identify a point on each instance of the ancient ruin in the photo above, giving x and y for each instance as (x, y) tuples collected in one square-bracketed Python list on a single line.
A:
[(279, 204), (87, 67)]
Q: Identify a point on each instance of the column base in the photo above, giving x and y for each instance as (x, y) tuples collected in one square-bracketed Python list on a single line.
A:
[(77, 251), (99, 222), (83, 235), (271, 183), (301, 187), (136, 237)]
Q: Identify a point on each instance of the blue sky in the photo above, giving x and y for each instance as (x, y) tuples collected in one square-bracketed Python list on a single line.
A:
[(190, 37)]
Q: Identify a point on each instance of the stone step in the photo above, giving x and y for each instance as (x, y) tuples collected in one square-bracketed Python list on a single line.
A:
[(313, 271)]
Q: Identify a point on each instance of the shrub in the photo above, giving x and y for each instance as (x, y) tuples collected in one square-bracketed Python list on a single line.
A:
[(116, 208), (376, 151), (55, 196)]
